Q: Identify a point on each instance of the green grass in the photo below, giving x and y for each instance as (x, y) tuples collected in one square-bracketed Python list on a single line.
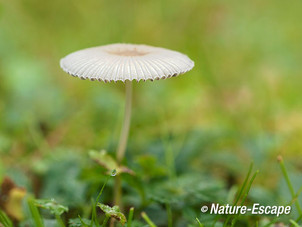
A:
[(192, 138), (114, 213)]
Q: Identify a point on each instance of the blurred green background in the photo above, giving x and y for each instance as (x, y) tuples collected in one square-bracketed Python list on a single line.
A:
[(241, 102)]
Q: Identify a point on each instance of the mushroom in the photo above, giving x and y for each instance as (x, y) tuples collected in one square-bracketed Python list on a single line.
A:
[(125, 62)]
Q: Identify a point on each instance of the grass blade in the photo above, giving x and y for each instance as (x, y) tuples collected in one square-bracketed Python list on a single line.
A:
[(94, 204), (105, 221), (35, 213), (299, 219), (82, 222), (130, 217), (169, 213), (60, 221), (199, 224), (245, 195), (4, 220), (147, 219), (289, 184), (295, 224), (240, 191), (244, 184)]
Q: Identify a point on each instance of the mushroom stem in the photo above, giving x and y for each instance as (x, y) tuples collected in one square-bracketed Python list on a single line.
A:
[(123, 143), (126, 124)]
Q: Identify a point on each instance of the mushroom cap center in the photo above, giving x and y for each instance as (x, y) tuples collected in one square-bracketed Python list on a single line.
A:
[(127, 52)]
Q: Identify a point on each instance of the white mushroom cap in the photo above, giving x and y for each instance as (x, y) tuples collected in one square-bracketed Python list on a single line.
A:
[(120, 62)]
